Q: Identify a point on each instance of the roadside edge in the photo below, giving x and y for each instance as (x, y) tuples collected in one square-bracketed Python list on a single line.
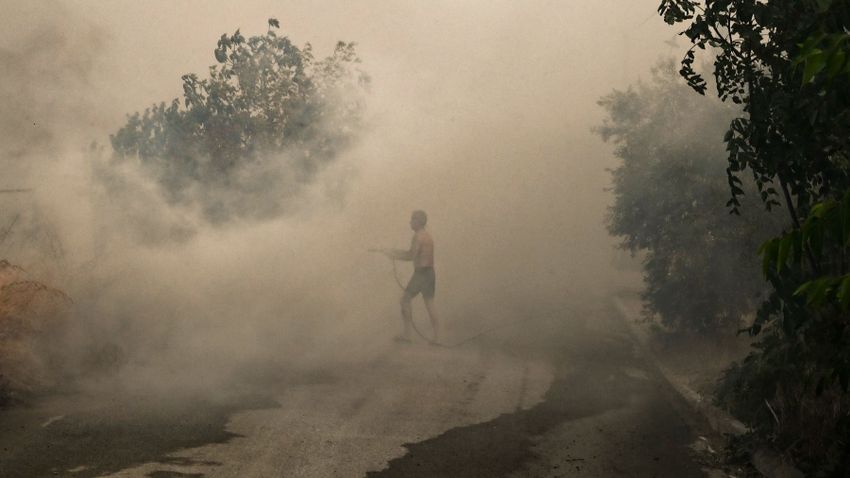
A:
[(765, 461)]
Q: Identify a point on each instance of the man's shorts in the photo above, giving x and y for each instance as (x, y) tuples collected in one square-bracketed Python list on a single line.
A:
[(423, 280)]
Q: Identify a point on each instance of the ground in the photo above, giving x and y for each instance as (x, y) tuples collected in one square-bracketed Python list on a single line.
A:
[(567, 393)]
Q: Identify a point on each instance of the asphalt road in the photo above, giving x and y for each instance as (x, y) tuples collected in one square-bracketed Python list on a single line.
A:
[(567, 394)]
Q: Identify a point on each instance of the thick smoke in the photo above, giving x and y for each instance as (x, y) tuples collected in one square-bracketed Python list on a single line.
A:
[(479, 114), (49, 68)]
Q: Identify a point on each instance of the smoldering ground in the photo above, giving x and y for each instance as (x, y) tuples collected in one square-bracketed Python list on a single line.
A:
[(480, 113)]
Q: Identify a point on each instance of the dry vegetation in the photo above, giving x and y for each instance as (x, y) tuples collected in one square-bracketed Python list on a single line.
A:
[(30, 313)]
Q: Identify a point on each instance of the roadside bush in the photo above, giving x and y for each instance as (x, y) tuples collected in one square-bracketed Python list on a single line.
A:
[(788, 64), (699, 268)]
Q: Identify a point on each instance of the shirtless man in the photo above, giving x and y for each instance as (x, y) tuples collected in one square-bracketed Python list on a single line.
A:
[(423, 281)]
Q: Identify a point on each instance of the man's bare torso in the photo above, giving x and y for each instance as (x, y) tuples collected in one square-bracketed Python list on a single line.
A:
[(422, 247)]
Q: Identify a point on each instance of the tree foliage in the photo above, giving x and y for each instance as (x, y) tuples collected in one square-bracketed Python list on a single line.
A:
[(243, 140), (794, 135), (787, 62), (700, 273)]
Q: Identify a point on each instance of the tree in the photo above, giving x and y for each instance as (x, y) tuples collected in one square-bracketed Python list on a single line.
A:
[(244, 140), (787, 62), (792, 136), (700, 273)]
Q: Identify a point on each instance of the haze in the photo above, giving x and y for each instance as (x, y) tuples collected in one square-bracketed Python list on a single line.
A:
[(479, 112)]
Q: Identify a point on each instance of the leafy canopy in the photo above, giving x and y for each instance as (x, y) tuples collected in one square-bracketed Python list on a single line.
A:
[(244, 140), (787, 62), (700, 273), (775, 58)]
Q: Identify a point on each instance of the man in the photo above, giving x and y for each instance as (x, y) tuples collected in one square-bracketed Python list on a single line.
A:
[(423, 281)]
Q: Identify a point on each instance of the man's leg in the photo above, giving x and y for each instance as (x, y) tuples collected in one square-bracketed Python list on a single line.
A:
[(432, 313), (406, 315)]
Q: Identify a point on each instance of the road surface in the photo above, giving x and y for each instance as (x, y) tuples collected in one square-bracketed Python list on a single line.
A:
[(565, 394)]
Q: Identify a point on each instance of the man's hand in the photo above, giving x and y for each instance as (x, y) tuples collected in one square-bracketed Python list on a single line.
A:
[(395, 254)]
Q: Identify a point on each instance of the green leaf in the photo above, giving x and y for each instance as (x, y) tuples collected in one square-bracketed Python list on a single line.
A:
[(815, 62), (768, 251), (804, 288), (798, 246), (845, 219), (819, 209), (808, 45), (816, 295), (835, 63), (273, 23), (823, 5), (843, 294), (784, 249)]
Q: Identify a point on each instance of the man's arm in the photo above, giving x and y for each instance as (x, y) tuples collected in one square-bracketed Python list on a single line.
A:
[(404, 255)]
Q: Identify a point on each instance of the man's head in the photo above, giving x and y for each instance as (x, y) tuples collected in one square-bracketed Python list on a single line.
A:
[(418, 219)]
